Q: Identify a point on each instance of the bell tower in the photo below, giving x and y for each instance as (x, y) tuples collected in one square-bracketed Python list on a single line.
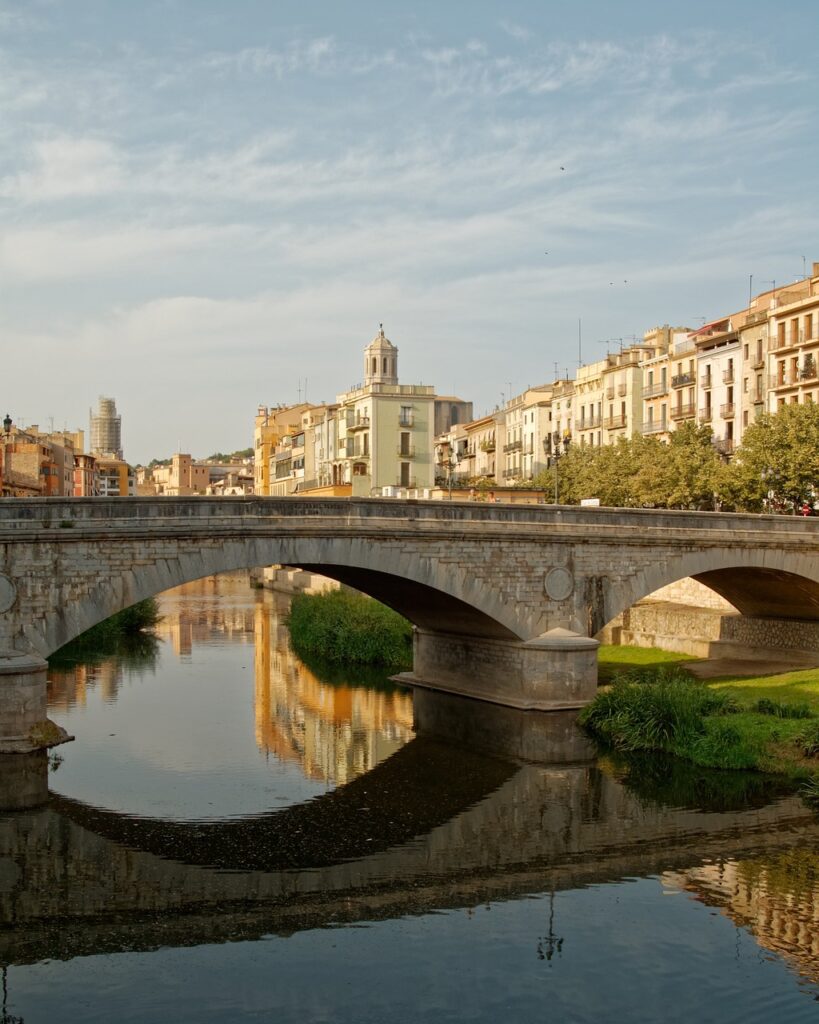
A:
[(380, 360)]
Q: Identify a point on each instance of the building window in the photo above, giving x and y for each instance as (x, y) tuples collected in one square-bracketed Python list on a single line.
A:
[(405, 416)]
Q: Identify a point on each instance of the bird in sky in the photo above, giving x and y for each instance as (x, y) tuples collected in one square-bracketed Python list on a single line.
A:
[(563, 168)]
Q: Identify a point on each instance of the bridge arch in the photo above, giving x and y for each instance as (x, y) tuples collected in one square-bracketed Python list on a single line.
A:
[(430, 595), (758, 582)]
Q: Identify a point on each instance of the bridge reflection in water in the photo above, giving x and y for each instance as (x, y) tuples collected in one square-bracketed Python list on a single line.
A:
[(431, 825)]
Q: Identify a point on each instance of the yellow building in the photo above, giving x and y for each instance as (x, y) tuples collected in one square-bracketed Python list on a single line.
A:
[(622, 379), (116, 477), (385, 429), (669, 380), (271, 425), (793, 359)]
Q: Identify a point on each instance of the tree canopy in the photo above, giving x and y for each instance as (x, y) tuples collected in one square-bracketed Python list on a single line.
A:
[(776, 468)]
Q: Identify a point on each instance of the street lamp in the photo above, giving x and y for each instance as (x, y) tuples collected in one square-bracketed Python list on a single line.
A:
[(554, 450), (449, 461)]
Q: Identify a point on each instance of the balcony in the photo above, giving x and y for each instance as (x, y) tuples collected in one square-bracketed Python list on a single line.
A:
[(759, 361), (705, 414), (511, 474), (706, 381), (726, 411), (791, 339), (409, 482), (808, 371), (513, 446), (728, 376), (406, 420), (590, 423), (609, 394), (653, 390), (615, 422), (487, 445), (358, 423), (683, 412), (622, 390), (724, 445), (405, 451), (786, 379), (680, 380), (757, 397), (654, 427)]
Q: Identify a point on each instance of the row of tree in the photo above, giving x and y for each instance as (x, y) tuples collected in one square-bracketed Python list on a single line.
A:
[(775, 469)]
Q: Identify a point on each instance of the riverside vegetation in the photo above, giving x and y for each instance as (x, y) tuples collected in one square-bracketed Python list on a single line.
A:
[(774, 469), (345, 627), (129, 633), (766, 723)]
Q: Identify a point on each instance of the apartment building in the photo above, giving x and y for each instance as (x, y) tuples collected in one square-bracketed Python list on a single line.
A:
[(479, 448), (537, 427), (793, 332), (115, 478), (622, 380), (753, 339), (270, 426), (719, 376), (385, 429)]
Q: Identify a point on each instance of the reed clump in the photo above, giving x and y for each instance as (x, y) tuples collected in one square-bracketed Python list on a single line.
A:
[(343, 626)]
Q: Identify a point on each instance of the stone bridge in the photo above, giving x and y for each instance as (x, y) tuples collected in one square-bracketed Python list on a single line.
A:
[(506, 599)]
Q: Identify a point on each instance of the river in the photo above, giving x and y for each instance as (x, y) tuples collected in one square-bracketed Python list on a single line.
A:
[(233, 838)]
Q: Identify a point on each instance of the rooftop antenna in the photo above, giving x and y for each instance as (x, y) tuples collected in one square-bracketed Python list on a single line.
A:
[(579, 343), (751, 289)]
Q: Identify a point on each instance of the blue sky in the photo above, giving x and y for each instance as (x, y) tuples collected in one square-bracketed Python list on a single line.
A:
[(203, 204)]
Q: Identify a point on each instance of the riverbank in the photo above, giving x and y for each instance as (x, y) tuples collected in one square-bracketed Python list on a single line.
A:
[(651, 700)]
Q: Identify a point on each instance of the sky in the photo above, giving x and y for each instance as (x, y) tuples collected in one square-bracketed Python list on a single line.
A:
[(210, 205)]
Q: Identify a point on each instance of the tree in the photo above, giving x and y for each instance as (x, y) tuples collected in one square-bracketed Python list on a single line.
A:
[(779, 456), (692, 468)]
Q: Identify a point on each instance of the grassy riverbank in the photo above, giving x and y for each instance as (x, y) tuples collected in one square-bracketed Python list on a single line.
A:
[(344, 627), (764, 723)]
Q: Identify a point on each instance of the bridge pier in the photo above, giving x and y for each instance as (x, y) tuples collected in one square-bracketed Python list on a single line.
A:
[(552, 672), (24, 723), (23, 781)]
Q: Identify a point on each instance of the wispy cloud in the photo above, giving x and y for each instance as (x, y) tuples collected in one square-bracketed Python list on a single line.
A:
[(280, 197)]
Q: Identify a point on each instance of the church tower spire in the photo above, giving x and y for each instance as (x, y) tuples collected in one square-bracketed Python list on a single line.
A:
[(380, 360)]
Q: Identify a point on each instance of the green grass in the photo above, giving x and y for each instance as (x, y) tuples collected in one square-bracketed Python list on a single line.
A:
[(347, 628), (651, 703), (614, 660)]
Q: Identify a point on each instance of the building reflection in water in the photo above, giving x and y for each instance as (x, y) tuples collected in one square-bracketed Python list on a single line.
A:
[(335, 732), (775, 897)]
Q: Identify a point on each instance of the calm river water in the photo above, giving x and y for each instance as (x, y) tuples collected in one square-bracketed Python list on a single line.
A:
[(233, 839)]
